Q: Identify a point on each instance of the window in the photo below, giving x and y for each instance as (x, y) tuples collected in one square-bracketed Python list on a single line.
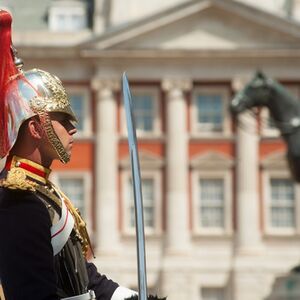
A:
[(148, 203), (281, 197), (77, 187), (74, 189), (211, 202), (68, 16), (151, 191), (209, 111), (78, 107), (282, 203), (80, 102), (213, 294), (146, 111)]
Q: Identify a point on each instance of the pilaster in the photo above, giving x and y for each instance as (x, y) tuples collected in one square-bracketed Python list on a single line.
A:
[(106, 165), (178, 235)]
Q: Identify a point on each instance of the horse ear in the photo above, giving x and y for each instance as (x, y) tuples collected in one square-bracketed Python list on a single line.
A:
[(260, 74)]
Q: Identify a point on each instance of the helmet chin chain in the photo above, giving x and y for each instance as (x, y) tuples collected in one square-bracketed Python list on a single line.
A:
[(52, 137)]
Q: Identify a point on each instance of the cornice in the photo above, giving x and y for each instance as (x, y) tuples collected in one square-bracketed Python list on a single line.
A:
[(147, 161), (275, 161), (211, 160), (193, 54)]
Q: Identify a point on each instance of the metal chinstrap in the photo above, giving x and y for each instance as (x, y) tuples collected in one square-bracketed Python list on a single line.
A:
[(137, 190)]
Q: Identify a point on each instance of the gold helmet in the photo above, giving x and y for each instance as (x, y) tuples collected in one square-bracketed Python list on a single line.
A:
[(27, 94)]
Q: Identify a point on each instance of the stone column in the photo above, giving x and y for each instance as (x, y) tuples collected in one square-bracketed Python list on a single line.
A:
[(178, 235), (98, 18), (248, 215), (106, 166), (248, 278)]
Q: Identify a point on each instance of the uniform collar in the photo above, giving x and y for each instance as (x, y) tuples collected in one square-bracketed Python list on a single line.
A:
[(32, 169)]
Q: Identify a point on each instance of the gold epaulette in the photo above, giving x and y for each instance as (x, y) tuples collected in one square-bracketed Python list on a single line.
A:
[(16, 180)]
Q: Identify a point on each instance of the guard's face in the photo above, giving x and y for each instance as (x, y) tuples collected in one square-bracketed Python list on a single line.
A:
[(64, 128)]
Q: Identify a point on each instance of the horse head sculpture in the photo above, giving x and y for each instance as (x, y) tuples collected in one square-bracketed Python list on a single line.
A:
[(284, 109), (256, 93)]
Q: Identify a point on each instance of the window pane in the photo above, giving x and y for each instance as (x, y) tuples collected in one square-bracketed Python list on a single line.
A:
[(148, 203), (144, 112), (74, 189), (68, 20), (77, 22), (282, 208), (78, 108), (210, 112), (211, 203), (61, 21)]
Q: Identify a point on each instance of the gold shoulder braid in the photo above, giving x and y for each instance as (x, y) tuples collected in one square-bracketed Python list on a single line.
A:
[(80, 225), (16, 180)]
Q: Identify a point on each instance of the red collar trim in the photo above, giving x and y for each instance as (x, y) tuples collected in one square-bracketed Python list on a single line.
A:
[(32, 169)]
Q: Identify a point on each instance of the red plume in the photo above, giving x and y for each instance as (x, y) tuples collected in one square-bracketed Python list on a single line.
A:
[(7, 69)]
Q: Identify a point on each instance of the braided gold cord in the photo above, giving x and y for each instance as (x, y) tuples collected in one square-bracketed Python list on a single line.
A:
[(80, 225)]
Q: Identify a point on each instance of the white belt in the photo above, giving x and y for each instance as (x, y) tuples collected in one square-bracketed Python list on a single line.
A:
[(90, 295)]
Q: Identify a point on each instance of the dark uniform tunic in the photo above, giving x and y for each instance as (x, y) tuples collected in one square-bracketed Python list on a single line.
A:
[(28, 269)]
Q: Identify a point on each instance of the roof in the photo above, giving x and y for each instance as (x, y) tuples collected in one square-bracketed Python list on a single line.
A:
[(203, 24)]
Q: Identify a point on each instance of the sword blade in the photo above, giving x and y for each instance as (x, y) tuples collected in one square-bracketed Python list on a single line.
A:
[(137, 190)]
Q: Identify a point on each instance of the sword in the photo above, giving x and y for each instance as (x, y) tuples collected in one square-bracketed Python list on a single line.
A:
[(137, 190)]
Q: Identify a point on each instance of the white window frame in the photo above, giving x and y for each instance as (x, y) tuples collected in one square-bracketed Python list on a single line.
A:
[(87, 183), (157, 179), (87, 111), (269, 230), (67, 8), (157, 127), (195, 126), (226, 175)]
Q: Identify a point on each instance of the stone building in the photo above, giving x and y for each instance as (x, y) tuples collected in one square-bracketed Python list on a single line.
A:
[(214, 227)]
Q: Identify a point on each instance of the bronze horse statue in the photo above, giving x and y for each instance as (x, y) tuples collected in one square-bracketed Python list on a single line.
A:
[(284, 109)]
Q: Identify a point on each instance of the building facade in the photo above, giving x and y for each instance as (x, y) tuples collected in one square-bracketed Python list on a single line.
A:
[(222, 215)]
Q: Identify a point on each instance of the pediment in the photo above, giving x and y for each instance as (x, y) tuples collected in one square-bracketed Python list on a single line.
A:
[(275, 161), (212, 160), (147, 160), (203, 24)]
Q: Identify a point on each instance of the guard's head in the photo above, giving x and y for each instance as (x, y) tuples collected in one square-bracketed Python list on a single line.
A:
[(27, 94)]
